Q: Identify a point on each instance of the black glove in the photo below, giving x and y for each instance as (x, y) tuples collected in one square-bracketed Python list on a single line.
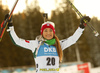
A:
[(9, 21), (82, 23)]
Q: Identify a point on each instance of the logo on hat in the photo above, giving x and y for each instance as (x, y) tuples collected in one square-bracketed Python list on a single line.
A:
[(48, 24)]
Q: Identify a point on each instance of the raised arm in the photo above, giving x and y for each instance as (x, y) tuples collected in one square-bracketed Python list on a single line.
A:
[(73, 39), (21, 42), (18, 41)]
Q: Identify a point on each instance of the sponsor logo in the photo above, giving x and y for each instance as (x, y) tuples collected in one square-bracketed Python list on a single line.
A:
[(51, 69), (49, 49)]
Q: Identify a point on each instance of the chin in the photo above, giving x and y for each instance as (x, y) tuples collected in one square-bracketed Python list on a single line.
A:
[(48, 39)]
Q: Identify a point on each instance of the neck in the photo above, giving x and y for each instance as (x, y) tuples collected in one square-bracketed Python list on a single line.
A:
[(50, 42)]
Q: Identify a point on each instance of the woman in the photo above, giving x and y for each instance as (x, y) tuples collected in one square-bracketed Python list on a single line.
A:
[(47, 49)]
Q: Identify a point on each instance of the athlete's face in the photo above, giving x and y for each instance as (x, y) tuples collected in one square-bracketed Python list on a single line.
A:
[(48, 33)]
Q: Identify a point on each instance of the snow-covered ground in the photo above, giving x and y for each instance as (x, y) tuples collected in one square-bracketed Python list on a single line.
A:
[(82, 68)]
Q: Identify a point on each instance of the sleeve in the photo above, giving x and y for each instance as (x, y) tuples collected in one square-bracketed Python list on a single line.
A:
[(72, 39), (21, 42)]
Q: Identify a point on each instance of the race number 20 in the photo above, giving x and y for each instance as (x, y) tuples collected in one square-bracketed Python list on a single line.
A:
[(50, 61)]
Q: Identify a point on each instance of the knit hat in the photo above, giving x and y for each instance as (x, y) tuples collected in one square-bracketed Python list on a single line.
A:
[(48, 24)]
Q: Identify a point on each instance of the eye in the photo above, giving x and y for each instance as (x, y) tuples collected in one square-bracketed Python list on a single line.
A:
[(51, 30), (45, 30)]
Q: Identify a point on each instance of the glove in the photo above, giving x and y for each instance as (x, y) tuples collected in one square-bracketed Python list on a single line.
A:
[(9, 21), (82, 23)]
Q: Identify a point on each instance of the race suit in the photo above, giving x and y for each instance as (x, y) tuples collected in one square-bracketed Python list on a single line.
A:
[(47, 59)]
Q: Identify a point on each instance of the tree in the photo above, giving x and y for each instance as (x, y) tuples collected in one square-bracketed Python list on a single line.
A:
[(67, 22), (94, 43), (25, 24)]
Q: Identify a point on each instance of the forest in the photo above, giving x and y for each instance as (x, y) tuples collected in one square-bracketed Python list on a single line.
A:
[(27, 26)]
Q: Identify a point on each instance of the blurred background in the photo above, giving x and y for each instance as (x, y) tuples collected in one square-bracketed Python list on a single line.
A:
[(27, 20)]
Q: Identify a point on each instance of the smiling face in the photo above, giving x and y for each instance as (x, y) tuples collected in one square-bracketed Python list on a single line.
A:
[(48, 33)]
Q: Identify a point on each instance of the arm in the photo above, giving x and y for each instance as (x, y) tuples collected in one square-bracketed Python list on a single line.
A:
[(21, 42), (72, 39), (16, 40)]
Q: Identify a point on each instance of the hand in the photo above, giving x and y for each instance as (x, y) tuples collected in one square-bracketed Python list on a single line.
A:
[(82, 23), (9, 21)]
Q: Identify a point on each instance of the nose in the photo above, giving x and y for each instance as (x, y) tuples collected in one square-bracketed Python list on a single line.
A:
[(48, 32)]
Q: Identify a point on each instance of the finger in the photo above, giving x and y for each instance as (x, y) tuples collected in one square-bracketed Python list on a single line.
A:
[(87, 18)]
